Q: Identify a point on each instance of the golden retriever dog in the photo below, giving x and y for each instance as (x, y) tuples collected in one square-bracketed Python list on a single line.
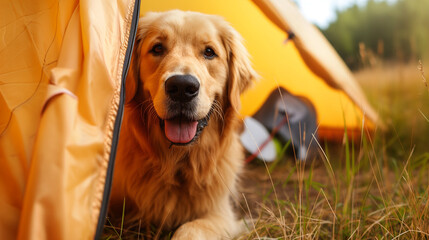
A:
[(179, 154)]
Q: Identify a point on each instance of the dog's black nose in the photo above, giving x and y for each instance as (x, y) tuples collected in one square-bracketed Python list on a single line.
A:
[(182, 88)]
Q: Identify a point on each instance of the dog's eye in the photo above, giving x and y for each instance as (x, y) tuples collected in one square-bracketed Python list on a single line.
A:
[(157, 49), (209, 53)]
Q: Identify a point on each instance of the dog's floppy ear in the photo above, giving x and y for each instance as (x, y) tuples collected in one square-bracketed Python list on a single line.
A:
[(133, 78), (241, 72)]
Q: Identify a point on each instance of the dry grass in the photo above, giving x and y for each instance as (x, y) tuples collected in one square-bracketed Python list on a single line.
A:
[(376, 188)]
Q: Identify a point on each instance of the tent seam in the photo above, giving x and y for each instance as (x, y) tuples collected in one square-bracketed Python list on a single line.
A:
[(111, 119)]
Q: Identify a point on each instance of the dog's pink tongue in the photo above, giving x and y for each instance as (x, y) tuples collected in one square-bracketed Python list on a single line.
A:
[(180, 131)]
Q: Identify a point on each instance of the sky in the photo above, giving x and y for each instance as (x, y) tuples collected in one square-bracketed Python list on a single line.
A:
[(322, 12)]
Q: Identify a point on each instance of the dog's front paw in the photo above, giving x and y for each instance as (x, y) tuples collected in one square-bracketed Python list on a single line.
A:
[(196, 230)]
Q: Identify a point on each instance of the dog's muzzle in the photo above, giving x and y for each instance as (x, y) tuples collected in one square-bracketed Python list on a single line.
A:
[(182, 128)]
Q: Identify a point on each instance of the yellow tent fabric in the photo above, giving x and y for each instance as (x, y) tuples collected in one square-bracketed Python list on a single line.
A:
[(61, 65), (307, 66)]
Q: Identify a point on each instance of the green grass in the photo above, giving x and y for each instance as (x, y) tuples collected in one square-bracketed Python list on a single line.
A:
[(373, 188)]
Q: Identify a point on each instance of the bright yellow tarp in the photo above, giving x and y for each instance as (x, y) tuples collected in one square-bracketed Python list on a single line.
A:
[(60, 72)]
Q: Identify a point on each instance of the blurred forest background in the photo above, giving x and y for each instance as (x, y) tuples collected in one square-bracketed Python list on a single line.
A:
[(381, 31)]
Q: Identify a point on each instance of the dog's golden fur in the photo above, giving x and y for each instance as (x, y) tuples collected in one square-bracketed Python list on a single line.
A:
[(185, 187)]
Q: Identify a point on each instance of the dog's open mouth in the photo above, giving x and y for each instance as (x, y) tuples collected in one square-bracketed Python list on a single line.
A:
[(181, 130)]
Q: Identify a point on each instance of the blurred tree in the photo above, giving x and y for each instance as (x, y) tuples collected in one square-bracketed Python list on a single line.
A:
[(397, 31)]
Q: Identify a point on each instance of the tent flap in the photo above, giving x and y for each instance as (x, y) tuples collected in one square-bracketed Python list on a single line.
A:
[(61, 69)]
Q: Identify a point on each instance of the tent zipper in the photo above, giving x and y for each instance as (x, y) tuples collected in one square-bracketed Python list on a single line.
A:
[(118, 122)]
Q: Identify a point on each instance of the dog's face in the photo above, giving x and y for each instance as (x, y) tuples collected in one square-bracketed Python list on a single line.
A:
[(186, 64)]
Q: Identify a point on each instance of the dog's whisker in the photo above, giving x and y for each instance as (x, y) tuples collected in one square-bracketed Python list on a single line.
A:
[(148, 106), (151, 115), (218, 112), (147, 112), (140, 104), (141, 113)]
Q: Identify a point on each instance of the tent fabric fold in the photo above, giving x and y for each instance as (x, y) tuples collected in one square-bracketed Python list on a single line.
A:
[(61, 65), (316, 51)]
